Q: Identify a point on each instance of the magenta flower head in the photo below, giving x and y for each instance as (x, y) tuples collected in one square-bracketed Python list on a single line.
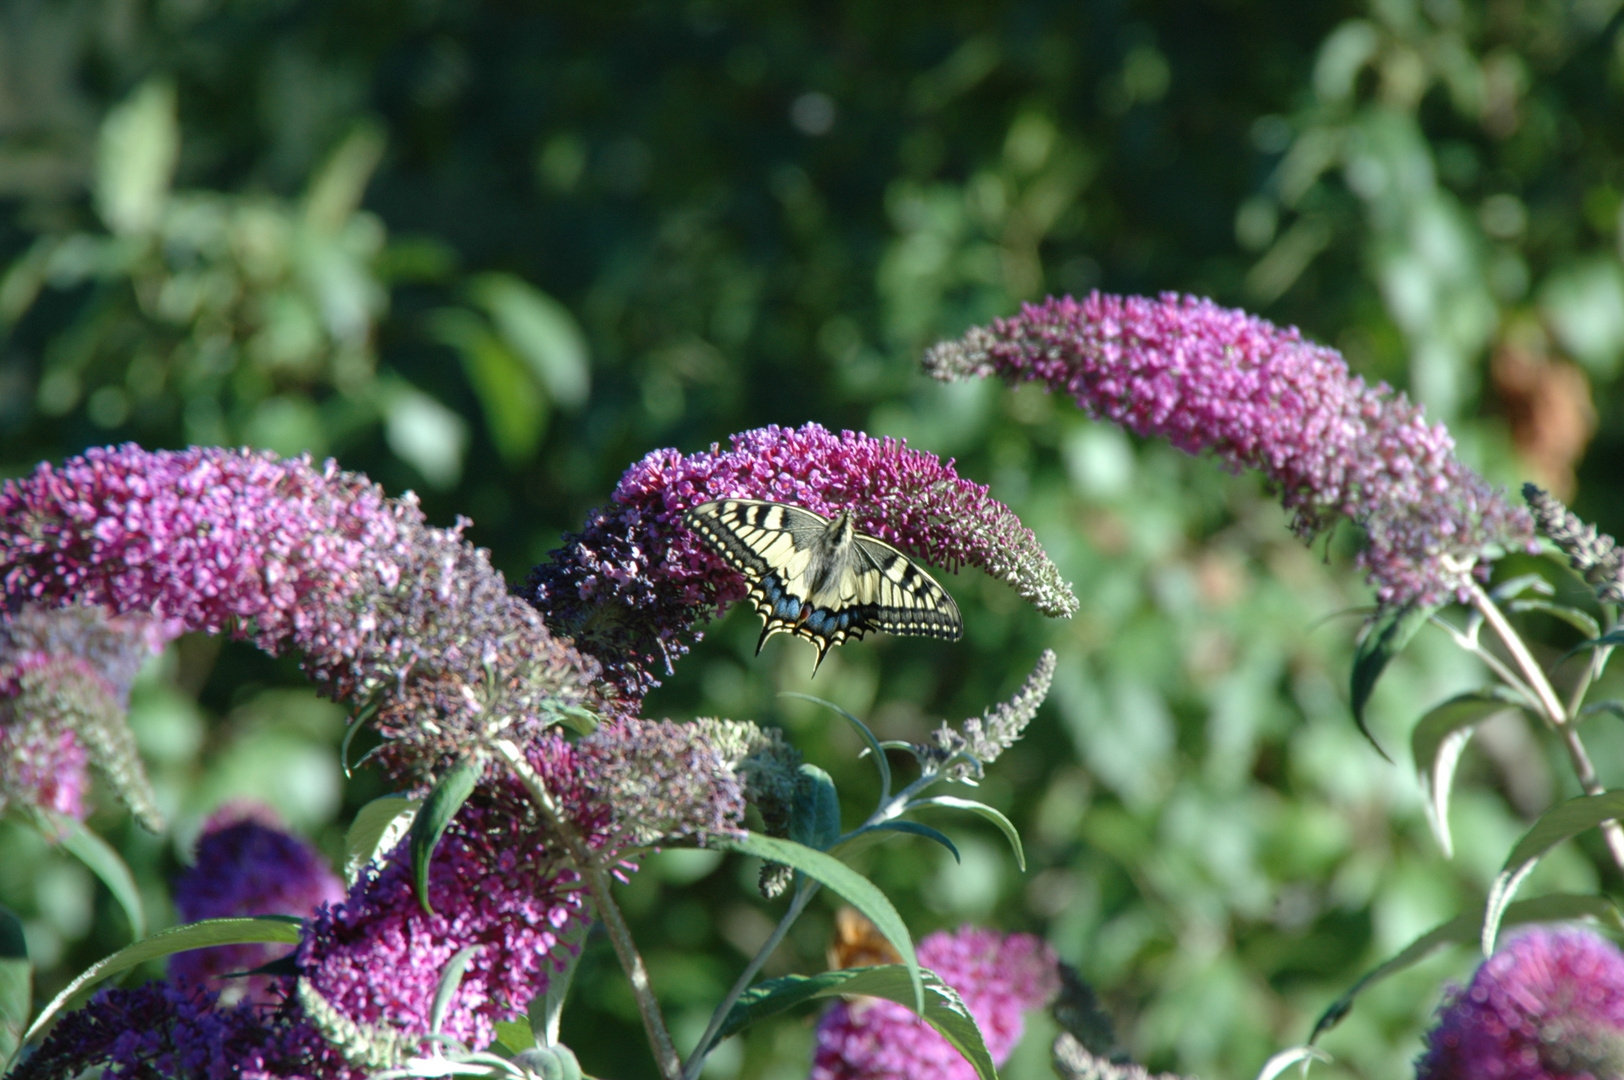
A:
[(65, 677), (387, 610), (631, 586), (248, 864), (1549, 1005), (1211, 379), (1000, 979)]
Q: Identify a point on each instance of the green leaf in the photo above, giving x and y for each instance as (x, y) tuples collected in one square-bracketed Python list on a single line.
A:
[(377, 828), (943, 1008), (514, 1036), (875, 749), (1612, 706), (1285, 1059), (450, 979), (1437, 742), (815, 816), (16, 987), (1581, 621), (857, 890), (135, 163), (547, 1010), (260, 929), (541, 331), (450, 792), (100, 858), (1465, 929), (1007, 827), (1555, 825), (869, 834), (578, 718), (1385, 637)]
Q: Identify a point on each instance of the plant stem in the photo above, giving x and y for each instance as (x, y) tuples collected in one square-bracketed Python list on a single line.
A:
[(1557, 714), (599, 886), (803, 896)]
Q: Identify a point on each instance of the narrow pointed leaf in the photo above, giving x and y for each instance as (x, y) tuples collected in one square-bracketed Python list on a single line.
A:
[(943, 1009), (450, 792), (378, 827), (874, 746), (1555, 825), (871, 834), (1581, 621), (100, 858), (1439, 739), (450, 979), (1465, 929), (1385, 638), (1007, 827), (270, 929), (853, 887), (1285, 1059)]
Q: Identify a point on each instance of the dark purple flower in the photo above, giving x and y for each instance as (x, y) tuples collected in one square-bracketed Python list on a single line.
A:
[(176, 1031), (65, 677), (631, 586), (1211, 379), (999, 977), (386, 609), (247, 864), (1549, 1005)]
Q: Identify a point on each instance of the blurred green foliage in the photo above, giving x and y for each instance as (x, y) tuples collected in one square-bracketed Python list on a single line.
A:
[(498, 251)]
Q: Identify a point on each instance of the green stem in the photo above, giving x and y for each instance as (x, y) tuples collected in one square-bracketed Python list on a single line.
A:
[(599, 886), (702, 1049)]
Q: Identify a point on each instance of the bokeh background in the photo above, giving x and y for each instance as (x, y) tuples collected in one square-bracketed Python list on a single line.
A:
[(494, 251)]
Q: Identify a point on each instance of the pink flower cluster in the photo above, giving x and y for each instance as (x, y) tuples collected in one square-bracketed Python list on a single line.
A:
[(385, 608), (1549, 1005), (999, 977), (630, 587), (1211, 379)]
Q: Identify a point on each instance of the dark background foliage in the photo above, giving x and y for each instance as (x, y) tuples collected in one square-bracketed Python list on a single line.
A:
[(497, 251)]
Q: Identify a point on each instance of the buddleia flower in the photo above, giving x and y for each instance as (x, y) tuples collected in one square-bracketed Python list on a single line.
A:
[(1549, 1005), (1218, 381), (389, 612), (999, 977), (631, 587), (247, 863)]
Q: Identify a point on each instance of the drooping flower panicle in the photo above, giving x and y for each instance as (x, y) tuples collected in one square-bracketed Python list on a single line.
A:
[(1216, 380), (1593, 554), (385, 608), (631, 586), (65, 678), (1000, 979), (1549, 1005)]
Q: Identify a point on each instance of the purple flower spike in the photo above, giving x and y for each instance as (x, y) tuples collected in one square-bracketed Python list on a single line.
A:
[(65, 678), (1211, 379), (1547, 1006), (633, 583), (248, 864), (999, 977), (386, 609)]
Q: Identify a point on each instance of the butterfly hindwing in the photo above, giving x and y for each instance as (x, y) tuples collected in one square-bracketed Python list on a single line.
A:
[(820, 579)]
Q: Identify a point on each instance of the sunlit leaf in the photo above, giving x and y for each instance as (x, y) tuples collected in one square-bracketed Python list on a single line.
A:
[(98, 855), (543, 333), (378, 827), (855, 889), (1559, 823), (135, 163), (1439, 739), (943, 1008), (1466, 929), (262, 929), (1007, 827), (1285, 1059), (450, 980)]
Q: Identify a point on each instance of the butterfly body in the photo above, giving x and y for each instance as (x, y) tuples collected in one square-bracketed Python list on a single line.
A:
[(822, 580)]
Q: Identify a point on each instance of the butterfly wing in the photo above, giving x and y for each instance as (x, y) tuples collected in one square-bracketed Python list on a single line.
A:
[(815, 579)]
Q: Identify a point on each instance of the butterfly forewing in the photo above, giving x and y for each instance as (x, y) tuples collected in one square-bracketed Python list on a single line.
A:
[(819, 579)]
